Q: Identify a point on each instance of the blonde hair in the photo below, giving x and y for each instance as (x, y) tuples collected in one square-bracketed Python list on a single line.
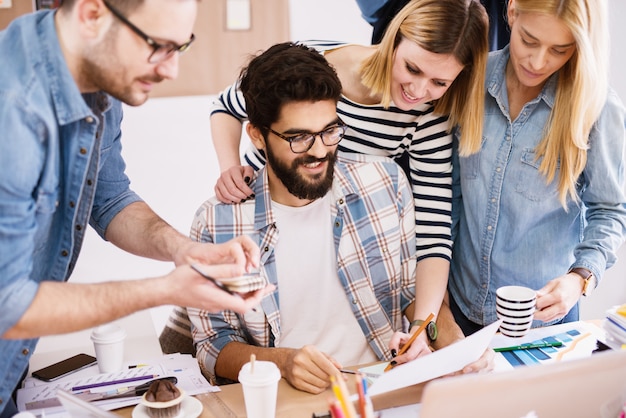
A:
[(456, 27), (581, 90)]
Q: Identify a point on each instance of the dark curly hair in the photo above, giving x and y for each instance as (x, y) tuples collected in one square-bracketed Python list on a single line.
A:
[(286, 72)]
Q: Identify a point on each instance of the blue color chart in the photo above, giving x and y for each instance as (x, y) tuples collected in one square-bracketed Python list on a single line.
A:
[(538, 355)]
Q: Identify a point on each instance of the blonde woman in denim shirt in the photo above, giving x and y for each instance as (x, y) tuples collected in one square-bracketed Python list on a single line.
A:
[(540, 202)]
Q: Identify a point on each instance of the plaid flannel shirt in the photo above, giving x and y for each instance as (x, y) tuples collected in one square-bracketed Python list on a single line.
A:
[(374, 236)]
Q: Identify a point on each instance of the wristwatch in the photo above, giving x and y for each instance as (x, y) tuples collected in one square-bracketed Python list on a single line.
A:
[(431, 329), (588, 278)]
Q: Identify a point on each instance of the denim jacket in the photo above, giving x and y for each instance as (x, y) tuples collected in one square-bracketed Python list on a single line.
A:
[(60, 168), (508, 224)]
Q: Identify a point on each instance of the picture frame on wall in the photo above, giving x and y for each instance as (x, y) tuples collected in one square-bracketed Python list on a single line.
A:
[(47, 4)]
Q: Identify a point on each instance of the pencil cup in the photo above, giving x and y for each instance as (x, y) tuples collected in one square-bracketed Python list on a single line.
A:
[(515, 306), (260, 388), (108, 343)]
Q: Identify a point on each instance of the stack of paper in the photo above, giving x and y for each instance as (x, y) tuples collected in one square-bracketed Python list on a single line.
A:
[(615, 327), (37, 396)]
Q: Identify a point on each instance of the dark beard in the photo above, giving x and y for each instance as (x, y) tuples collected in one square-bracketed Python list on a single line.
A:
[(298, 185)]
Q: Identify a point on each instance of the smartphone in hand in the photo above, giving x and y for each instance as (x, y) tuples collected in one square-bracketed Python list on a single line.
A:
[(64, 367), (249, 282)]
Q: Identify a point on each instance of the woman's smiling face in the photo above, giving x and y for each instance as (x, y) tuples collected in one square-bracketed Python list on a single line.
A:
[(420, 76)]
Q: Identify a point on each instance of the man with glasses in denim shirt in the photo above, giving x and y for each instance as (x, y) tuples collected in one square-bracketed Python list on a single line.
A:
[(63, 78), (336, 232)]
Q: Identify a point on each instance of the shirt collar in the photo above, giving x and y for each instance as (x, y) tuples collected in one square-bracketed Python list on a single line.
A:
[(496, 83), (341, 189)]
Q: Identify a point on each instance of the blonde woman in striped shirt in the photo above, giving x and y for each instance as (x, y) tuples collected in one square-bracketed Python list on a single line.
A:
[(400, 99)]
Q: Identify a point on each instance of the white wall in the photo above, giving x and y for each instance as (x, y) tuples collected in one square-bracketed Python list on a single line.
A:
[(612, 289), (171, 161), (335, 20)]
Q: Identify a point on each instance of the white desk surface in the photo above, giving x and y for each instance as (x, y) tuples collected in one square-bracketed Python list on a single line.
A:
[(142, 343)]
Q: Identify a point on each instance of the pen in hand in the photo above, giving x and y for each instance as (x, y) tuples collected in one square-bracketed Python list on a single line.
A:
[(406, 346)]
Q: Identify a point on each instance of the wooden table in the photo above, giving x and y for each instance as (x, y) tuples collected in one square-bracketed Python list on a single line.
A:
[(291, 403)]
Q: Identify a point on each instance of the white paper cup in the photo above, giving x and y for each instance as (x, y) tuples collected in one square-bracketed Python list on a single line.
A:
[(260, 388), (108, 343), (515, 306)]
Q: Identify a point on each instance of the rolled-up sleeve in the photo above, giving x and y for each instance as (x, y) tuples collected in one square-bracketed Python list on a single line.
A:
[(113, 192)]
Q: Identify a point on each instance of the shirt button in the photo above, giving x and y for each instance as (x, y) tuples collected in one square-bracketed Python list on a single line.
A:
[(266, 249), (79, 227), (493, 200), (337, 224), (489, 228), (89, 119), (89, 182), (83, 151), (498, 169), (341, 201), (72, 204), (64, 253), (354, 301), (25, 351)]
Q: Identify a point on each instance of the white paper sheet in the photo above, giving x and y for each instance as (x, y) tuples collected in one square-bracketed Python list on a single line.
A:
[(442, 362), (183, 366)]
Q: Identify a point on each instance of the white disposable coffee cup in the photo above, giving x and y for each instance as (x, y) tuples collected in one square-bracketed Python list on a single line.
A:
[(260, 388), (515, 306), (108, 342)]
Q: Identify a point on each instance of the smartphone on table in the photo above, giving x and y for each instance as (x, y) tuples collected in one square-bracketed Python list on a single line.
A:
[(64, 367)]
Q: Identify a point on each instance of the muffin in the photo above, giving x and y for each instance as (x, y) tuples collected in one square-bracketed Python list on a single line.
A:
[(163, 400)]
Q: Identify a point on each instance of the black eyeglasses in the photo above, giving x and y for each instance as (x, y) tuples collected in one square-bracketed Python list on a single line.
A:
[(160, 52), (303, 142)]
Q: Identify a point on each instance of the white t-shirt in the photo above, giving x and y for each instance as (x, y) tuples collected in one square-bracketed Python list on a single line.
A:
[(314, 308)]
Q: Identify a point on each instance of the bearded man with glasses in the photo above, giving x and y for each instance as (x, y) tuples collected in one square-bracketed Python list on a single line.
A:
[(337, 234), (64, 77)]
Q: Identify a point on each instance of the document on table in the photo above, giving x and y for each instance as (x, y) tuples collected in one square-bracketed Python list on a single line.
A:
[(578, 338), (441, 362), (36, 394)]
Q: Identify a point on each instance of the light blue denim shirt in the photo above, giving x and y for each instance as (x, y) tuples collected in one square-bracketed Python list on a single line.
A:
[(508, 224), (60, 168)]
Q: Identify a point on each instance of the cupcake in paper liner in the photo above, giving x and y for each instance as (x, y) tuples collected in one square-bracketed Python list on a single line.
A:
[(163, 400)]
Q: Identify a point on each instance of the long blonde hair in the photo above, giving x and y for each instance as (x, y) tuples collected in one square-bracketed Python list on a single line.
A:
[(456, 27), (581, 90)]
